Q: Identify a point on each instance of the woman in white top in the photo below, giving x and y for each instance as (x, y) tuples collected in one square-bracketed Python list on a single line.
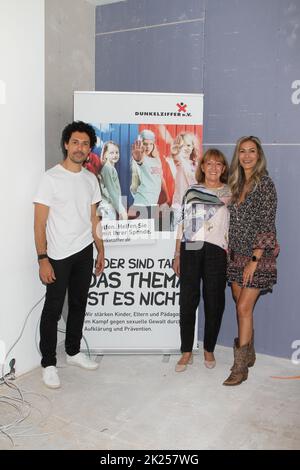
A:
[(200, 255)]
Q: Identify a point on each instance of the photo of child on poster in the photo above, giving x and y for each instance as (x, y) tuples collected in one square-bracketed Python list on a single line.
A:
[(144, 170)]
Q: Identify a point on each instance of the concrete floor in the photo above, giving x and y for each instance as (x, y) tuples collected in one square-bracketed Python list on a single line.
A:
[(139, 402)]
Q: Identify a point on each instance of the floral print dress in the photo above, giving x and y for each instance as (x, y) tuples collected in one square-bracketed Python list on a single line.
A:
[(252, 226)]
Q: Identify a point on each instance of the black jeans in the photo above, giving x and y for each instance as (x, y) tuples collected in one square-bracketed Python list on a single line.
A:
[(73, 273), (207, 263)]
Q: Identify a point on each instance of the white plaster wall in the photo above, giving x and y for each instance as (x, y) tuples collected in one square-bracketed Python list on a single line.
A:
[(22, 157)]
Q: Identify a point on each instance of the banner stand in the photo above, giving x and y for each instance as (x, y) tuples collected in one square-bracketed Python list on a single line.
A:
[(143, 169)]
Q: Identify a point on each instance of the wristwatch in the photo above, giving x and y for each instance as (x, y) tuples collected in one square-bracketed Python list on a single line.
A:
[(255, 259), (42, 256)]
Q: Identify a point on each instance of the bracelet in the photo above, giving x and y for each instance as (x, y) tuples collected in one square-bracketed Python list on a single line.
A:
[(42, 256)]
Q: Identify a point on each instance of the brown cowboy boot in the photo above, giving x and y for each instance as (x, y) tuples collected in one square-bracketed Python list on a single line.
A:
[(251, 352), (239, 370)]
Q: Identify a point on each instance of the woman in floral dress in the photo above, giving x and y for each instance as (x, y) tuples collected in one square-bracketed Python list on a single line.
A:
[(252, 247)]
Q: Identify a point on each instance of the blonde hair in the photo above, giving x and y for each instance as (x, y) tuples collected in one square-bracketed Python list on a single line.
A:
[(237, 177), (180, 141), (217, 155), (105, 148)]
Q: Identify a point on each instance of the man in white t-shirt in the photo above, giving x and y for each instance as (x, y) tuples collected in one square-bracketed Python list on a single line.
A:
[(65, 227)]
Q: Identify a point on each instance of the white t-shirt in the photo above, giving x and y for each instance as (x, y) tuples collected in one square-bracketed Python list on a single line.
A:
[(69, 196)]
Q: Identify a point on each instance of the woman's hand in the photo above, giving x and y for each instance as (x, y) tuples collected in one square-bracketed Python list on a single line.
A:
[(176, 265), (276, 249), (99, 263), (248, 273)]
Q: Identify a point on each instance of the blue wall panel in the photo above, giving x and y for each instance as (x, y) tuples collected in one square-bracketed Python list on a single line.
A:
[(240, 60), (244, 56), (141, 60), (141, 13), (288, 115)]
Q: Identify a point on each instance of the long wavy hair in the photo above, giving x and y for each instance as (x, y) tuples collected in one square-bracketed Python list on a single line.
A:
[(237, 177), (219, 157), (182, 138)]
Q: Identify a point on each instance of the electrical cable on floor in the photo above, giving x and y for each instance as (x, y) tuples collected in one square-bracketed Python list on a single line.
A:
[(30, 405), (84, 339), (19, 403), (21, 333), (22, 406), (37, 330), (24, 409)]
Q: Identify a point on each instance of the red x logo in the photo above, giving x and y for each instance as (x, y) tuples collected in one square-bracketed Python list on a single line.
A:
[(181, 107)]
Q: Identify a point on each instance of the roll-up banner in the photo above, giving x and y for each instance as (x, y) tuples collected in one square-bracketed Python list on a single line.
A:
[(148, 146)]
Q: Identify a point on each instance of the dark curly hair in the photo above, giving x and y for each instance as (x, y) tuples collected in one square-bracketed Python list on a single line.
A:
[(77, 126)]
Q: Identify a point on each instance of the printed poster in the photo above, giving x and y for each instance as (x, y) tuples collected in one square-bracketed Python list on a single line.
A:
[(147, 150)]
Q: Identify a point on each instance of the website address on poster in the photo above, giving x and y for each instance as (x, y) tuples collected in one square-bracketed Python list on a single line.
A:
[(126, 231)]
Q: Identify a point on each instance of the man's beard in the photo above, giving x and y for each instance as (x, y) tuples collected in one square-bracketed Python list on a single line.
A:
[(78, 157)]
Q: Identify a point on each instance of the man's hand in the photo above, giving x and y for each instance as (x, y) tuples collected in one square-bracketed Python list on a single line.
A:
[(47, 274), (99, 263)]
